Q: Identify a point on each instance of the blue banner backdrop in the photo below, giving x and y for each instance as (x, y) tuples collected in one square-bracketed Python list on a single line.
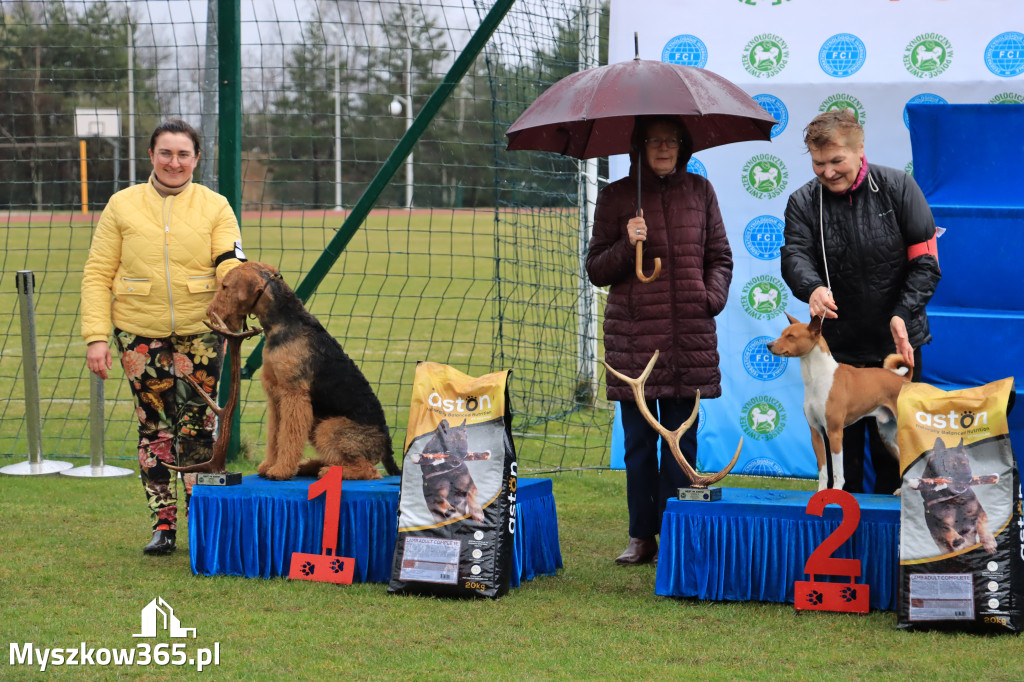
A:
[(798, 58)]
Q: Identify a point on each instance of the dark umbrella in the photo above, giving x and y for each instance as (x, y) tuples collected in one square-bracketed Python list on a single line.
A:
[(592, 113)]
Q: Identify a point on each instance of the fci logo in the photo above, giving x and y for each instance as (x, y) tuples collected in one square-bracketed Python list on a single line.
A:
[(842, 55), (761, 364), (1004, 55), (763, 236), (777, 108), (685, 49)]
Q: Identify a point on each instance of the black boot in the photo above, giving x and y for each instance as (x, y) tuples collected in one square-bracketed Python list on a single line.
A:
[(162, 542)]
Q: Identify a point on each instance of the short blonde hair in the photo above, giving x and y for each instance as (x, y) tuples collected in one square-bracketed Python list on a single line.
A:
[(830, 125)]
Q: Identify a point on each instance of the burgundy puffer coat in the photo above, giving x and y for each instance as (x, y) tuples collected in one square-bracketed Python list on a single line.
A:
[(675, 313)]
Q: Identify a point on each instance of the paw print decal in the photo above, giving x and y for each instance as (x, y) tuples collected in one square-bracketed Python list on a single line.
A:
[(337, 566), (848, 594), (967, 419), (307, 568), (814, 597)]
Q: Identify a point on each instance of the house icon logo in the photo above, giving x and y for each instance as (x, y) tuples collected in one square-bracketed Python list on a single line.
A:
[(158, 615)]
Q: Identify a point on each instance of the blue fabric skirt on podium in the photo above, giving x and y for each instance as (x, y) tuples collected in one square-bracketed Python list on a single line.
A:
[(253, 528), (753, 545)]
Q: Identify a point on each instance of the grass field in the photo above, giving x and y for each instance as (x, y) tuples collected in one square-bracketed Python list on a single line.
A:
[(73, 572), (457, 287), (479, 290)]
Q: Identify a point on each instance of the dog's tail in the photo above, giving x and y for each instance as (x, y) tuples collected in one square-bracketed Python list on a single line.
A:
[(390, 465), (894, 362), (388, 458)]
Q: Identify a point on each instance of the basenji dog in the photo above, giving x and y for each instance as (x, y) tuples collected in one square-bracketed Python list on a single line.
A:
[(837, 395)]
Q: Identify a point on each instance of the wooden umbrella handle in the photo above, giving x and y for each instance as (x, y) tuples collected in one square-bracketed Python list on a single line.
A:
[(640, 265)]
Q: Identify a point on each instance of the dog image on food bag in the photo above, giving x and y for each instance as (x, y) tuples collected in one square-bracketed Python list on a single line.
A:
[(448, 486), (952, 510)]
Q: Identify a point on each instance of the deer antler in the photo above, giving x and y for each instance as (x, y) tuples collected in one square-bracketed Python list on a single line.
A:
[(697, 480), (215, 465)]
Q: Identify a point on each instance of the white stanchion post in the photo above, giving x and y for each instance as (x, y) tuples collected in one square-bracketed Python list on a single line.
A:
[(96, 467), (35, 465)]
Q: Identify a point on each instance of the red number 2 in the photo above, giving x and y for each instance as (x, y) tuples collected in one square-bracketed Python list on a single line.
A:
[(830, 596), (821, 561)]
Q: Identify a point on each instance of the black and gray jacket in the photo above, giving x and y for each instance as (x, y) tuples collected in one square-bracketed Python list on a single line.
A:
[(867, 232)]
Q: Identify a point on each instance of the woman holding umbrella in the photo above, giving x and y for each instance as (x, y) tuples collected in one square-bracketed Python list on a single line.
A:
[(677, 217)]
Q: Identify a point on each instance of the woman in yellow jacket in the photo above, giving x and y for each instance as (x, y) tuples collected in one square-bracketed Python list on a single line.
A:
[(157, 256)]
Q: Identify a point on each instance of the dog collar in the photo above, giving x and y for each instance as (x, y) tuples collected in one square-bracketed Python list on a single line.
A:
[(265, 285)]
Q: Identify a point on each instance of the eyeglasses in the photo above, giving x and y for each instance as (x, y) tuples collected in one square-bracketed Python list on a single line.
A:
[(166, 156), (655, 142)]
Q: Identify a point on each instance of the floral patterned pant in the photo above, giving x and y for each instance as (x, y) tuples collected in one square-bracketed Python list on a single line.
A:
[(175, 423)]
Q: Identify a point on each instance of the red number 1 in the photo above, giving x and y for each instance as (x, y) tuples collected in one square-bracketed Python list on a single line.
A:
[(330, 485), (326, 567)]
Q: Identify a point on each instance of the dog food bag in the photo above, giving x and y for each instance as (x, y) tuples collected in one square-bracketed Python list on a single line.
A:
[(960, 511), (457, 511)]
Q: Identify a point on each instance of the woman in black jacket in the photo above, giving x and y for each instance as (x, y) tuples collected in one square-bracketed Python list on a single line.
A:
[(860, 249)]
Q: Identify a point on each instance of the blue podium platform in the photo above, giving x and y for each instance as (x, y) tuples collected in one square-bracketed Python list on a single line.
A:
[(252, 529), (753, 544)]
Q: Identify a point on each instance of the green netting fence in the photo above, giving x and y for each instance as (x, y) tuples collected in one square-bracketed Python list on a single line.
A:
[(469, 256)]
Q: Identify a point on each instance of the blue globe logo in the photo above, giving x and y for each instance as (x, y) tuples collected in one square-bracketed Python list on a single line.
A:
[(1004, 54), (702, 418), (696, 167), (686, 50), (842, 55), (760, 363), (923, 98), (774, 106), (763, 237), (763, 466)]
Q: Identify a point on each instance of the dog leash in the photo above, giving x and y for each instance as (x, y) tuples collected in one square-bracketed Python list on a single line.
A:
[(873, 186)]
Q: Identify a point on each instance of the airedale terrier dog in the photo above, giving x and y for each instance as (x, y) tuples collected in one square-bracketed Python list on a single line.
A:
[(315, 392)]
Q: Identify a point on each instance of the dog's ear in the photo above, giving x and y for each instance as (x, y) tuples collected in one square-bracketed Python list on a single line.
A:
[(939, 445), (792, 320), (250, 285), (814, 326)]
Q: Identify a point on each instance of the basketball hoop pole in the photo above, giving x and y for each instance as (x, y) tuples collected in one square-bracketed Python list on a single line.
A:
[(85, 177)]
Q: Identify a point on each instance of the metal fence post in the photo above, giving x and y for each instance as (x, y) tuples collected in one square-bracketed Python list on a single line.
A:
[(35, 465), (96, 468)]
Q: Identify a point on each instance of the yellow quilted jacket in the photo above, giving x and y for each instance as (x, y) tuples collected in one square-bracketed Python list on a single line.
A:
[(152, 268)]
